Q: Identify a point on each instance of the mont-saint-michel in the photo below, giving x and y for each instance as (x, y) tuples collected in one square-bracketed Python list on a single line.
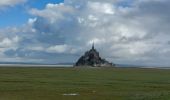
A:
[(93, 59)]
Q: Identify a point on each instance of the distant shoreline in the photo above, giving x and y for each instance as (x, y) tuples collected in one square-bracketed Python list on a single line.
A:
[(67, 66), (33, 65)]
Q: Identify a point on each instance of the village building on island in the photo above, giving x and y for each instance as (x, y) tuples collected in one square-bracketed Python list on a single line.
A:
[(93, 59)]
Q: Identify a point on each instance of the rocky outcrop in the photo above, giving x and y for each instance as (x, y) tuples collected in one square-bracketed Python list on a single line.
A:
[(92, 58)]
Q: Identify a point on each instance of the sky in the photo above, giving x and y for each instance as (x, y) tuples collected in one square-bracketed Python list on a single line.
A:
[(134, 32)]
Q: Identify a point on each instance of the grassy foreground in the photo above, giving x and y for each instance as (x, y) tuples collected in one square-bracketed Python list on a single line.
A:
[(84, 84)]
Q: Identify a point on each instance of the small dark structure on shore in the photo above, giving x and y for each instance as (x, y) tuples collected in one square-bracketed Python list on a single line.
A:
[(93, 59)]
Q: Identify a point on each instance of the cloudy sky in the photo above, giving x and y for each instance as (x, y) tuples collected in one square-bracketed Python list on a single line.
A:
[(56, 31)]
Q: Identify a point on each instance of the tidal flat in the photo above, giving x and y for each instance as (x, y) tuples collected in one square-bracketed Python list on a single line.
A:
[(43, 83)]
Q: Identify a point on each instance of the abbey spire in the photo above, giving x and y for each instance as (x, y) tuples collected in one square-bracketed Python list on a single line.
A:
[(93, 46)]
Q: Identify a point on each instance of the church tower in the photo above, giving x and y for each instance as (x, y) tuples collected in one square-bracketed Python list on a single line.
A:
[(93, 46)]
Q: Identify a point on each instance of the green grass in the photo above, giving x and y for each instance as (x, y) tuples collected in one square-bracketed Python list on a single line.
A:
[(88, 83)]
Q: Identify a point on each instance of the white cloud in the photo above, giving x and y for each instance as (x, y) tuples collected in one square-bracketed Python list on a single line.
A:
[(53, 12), (7, 42), (31, 21), (124, 31), (4, 3), (58, 49), (99, 7)]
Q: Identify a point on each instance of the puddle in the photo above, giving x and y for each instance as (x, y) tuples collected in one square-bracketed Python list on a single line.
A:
[(70, 94)]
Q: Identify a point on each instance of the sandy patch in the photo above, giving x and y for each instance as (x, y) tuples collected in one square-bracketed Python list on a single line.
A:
[(70, 94)]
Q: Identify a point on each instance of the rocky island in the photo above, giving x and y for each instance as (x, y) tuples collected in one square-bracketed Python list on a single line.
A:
[(93, 59)]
